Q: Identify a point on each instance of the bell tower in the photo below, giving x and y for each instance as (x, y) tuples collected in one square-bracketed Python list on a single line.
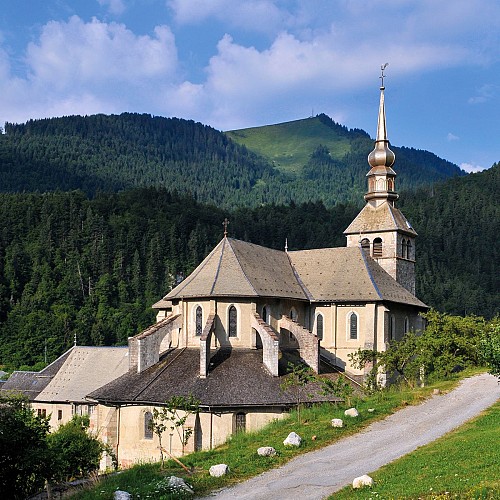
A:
[(380, 229)]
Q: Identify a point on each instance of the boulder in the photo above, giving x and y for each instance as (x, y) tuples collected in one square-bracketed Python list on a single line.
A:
[(178, 484), (361, 481), (292, 439), (337, 422), (266, 451), (351, 412), (121, 495), (219, 470)]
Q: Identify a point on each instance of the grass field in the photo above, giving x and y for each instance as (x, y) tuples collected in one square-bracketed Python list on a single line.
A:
[(289, 145), (463, 464), (145, 481)]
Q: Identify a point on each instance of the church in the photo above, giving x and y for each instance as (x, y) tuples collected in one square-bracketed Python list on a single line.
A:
[(226, 333)]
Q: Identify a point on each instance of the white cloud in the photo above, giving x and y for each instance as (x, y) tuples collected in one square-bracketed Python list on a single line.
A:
[(452, 137), (77, 53), (471, 167), (115, 7), (255, 15), (484, 94)]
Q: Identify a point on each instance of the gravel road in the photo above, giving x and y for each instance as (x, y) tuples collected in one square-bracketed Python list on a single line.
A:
[(318, 474)]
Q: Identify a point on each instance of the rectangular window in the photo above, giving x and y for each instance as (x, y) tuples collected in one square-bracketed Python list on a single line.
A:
[(59, 414)]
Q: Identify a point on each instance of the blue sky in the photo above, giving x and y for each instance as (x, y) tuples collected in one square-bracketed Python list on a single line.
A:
[(241, 63)]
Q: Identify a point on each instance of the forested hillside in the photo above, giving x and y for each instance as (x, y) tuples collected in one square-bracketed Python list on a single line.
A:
[(103, 153), (70, 264)]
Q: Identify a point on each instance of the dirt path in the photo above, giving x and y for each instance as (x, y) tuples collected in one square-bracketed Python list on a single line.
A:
[(318, 474)]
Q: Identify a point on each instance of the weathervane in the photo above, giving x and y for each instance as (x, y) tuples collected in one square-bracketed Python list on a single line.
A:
[(382, 68), (225, 224)]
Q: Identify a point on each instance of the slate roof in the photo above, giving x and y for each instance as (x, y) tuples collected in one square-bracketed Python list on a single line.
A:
[(240, 269), (347, 275), (385, 217), (72, 376), (32, 383), (236, 378), (84, 370), (236, 268)]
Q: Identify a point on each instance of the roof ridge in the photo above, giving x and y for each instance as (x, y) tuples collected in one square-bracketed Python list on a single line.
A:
[(198, 269), (241, 267), (306, 291), (218, 266)]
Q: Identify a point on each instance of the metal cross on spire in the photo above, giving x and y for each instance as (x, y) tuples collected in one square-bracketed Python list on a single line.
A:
[(225, 224), (382, 76)]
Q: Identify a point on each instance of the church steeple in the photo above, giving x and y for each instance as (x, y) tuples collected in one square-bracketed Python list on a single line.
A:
[(380, 229), (381, 177)]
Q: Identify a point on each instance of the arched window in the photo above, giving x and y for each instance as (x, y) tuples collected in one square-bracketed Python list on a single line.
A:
[(377, 247), (319, 326), (148, 429), (392, 327), (407, 325), (365, 244), (265, 314), (408, 249), (403, 248), (233, 322), (390, 184), (240, 422), (293, 314), (353, 326), (199, 321)]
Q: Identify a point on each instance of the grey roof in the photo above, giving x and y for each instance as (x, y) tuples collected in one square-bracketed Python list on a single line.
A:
[(240, 269), (85, 369), (236, 378), (385, 217), (32, 383), (347, 275)]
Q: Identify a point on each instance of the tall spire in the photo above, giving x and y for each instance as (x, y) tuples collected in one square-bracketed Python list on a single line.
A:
[(381, 176)]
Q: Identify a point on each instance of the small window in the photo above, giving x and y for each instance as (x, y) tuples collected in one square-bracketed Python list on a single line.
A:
[(377, 247), (240, 422), (365, 244), (390, 184), (265, 314), (319, 326), (42, 412), (392, 327), (199, 321), (59, 415), (233, 322), (407, 325), (353, 326), (293, 314), (403, 248), (148, 427), (408, 249)]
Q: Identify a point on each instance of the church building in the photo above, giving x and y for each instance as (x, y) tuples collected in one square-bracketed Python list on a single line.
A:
[(225, 334)]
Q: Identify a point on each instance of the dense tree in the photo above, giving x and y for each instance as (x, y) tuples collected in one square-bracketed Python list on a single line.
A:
[(23, 448)]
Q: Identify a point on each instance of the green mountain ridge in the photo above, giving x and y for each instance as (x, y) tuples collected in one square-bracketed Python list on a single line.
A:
[(301, 161)]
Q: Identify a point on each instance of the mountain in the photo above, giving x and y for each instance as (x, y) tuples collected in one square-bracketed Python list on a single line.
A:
[(301, 161)]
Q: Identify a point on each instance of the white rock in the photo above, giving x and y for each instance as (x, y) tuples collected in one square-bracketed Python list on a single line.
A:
[(121, 495), (361, 481), (351, 412), (292, 439), (337, 422), (219, 470), (177, 483), (266, 451), (371, 410)]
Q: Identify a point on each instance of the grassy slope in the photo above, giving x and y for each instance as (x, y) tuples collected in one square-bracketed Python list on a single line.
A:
[(289, 145), (463, 464), (240, 451)]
